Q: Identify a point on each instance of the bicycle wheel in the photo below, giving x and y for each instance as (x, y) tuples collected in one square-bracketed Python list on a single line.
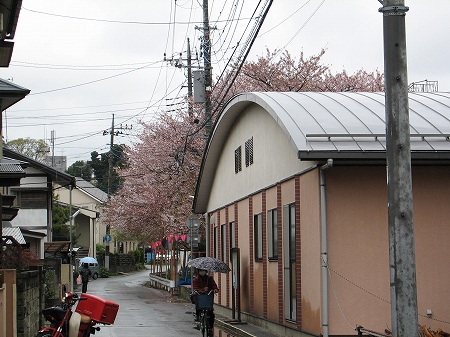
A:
[(208, 327), (204, 321), (44, 334)]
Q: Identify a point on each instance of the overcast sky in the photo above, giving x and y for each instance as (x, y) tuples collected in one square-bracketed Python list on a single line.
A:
[(86, 60)]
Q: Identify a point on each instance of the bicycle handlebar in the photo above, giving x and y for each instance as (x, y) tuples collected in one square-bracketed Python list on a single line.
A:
[(203, 292)]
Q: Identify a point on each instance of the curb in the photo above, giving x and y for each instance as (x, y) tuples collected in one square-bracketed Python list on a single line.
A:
[(231, 329)]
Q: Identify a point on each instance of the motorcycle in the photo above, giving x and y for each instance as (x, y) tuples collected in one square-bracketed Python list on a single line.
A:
[(90, 311)]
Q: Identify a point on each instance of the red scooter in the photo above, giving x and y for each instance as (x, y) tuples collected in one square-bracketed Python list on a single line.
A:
[(90, 311)]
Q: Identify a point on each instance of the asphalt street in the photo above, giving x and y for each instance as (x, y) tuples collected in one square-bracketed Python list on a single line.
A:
[(144, 311)]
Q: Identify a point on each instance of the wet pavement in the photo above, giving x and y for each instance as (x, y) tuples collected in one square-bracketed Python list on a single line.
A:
[(147, 311)]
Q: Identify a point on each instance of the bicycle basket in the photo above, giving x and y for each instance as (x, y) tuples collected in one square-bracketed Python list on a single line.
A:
[(204, 301)]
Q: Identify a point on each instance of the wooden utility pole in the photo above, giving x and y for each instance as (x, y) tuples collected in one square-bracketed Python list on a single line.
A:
[(404, 317)]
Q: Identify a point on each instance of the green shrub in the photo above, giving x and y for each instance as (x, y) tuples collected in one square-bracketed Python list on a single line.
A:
[(49, 280), (104, 272), (139, 266)]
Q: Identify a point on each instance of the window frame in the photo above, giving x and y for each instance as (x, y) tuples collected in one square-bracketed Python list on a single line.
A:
[(272, 234), (258, 237)]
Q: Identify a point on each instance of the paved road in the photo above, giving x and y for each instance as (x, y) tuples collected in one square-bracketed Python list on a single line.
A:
[(143, 311), (149, 312)]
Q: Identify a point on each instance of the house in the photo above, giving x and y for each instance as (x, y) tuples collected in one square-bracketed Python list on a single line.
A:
[(33, 198), (89, 200), (10, 16), (290, 180)]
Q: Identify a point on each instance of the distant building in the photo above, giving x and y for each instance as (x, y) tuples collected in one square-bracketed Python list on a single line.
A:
[(57, 162)]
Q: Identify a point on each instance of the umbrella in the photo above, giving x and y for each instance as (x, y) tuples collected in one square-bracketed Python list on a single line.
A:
[(210, 264), (88, 259)]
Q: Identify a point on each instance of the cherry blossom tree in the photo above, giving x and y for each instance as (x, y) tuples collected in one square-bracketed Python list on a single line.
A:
[(159, 179), (162, 166), (276, 71)]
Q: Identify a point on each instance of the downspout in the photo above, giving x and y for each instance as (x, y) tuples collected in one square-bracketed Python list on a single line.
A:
[(208, 233), (324, 250)]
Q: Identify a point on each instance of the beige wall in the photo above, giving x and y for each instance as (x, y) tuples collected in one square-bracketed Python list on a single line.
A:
[(431, 187), (270, 146), (310, 251), (272, 266), (359, 247)]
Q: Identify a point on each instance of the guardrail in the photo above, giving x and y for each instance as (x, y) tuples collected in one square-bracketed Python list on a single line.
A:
[(161, 282)]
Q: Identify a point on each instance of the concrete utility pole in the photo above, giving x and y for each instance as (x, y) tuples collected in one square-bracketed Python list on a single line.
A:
[(207, 65), (178, 63), (189, 66), (112, 133), (404, 318), (110, 167)]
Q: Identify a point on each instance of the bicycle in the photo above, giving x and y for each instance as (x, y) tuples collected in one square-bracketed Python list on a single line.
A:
[(205, 302)]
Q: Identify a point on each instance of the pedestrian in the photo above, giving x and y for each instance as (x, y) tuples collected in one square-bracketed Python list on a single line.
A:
[(203, 284), (85, 272)]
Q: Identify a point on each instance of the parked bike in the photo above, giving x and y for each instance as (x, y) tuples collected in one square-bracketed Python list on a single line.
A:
[(90, 311)]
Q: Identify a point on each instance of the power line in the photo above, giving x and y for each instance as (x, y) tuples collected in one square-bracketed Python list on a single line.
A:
[(116, 21), (90, 82)]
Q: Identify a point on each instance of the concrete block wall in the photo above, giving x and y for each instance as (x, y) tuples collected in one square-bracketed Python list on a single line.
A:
[(29, 302)]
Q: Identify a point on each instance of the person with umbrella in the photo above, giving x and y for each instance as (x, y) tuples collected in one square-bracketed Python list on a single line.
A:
[(203, 284), (85, 273)]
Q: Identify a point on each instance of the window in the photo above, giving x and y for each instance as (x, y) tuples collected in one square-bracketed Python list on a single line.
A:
[(290, 280), (258, 241), (232, 234), (249, 152), (223, 237), (216, 242), (237, 160), (272, 233), (31, 199)]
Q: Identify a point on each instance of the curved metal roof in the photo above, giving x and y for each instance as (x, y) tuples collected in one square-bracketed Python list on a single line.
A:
[(325, 125)]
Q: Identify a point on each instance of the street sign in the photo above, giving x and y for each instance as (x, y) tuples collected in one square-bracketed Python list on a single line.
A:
[(107, 238), (193, 222)]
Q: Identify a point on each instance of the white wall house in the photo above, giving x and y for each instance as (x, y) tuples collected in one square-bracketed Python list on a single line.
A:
[(34, 199), (90, 201)]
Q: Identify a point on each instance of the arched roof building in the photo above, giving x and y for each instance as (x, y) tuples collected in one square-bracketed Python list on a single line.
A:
[(346, 126), (263, 191)]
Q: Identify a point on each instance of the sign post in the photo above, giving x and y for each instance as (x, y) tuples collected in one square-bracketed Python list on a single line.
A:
[(193, 223)]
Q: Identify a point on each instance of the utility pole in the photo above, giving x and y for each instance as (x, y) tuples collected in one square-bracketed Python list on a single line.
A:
[(178, 63), (112, 132), (404, 315), (110, 166), (52, 141), (189, 66), (207, 66)]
